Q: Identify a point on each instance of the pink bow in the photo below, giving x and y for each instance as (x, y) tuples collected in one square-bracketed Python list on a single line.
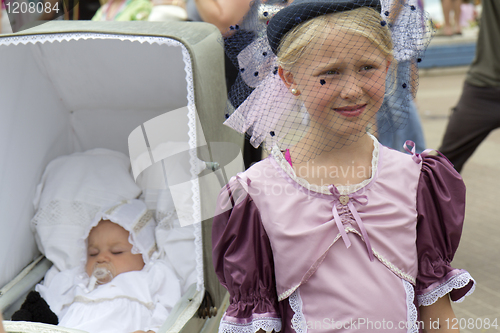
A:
[(347, 200)]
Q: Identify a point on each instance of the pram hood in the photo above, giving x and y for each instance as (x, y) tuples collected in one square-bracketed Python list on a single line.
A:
[(75, 86)]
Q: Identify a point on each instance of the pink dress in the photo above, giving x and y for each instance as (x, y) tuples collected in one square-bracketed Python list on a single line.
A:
[(296, 257)]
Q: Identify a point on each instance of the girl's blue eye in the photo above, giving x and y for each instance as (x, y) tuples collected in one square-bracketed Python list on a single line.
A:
[(332, 72), (367, 67)]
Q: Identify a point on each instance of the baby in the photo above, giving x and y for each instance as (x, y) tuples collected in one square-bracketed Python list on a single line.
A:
[(120, 286)]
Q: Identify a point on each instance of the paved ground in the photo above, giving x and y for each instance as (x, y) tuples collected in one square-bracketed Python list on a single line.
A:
[(479, 250)]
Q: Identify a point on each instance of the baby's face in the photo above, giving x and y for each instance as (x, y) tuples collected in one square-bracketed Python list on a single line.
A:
[(108, 243)]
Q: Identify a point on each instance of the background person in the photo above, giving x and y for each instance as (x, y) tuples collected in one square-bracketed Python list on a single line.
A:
[(124, 10), (478, 110), (450, 6), (401, 120)]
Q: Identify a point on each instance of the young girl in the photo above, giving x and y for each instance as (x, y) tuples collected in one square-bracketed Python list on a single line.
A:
[(118, 287), (333, 231)]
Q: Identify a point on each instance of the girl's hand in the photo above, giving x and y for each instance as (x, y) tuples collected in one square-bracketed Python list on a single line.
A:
[(436, 317)]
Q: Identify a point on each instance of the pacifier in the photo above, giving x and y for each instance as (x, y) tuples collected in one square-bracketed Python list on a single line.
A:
[(101, 274)]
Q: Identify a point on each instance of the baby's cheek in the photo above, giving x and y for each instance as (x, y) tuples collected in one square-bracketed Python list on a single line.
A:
[(88, 266)]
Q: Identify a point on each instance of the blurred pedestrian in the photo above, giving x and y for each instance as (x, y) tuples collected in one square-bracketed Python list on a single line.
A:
[(69, 9), (124, 10), (478, 110), (222, 13), (401, 122), (468, 14), (5, 27), (448, 7), (168, 10)]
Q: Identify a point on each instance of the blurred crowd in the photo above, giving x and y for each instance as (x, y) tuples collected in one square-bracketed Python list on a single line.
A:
[(456, 14), (222, 14), (459, 14)]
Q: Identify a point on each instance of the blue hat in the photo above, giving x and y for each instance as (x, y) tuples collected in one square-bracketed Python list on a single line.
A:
[(302, 10)]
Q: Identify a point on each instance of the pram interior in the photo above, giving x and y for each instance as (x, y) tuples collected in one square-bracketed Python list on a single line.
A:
[(72, 86)]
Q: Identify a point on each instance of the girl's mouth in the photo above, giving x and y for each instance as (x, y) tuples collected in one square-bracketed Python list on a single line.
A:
[(351, 111)]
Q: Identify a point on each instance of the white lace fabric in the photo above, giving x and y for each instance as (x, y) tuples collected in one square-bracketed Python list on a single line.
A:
[(299, 323), (456, 282), (412, 313), (266, 324)]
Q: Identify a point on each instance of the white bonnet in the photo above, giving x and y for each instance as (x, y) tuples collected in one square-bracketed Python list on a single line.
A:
[(72, 190), (133, 216)]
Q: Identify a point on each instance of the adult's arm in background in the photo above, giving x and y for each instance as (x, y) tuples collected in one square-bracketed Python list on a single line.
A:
[(222, 13)]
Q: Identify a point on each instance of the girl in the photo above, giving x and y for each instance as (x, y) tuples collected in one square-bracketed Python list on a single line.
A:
[(118, 287), (333, 231)]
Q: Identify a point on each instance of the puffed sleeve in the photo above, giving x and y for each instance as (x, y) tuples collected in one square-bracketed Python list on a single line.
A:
[(244, 264), (441, 210)]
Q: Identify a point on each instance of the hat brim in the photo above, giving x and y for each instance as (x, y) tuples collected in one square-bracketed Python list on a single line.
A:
[(302, 11)]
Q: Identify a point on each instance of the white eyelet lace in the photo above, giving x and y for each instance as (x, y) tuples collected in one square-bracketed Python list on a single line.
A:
[(456, 282), (266, 324), (412, 314), (298, 320)]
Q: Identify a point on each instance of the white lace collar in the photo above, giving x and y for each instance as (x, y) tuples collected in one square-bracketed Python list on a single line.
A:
[(345, 189)]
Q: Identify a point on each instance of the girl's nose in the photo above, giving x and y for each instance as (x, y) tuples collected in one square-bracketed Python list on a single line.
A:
[(351, 89)]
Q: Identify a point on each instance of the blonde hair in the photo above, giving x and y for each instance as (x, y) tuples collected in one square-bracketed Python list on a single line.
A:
[(364, 21)]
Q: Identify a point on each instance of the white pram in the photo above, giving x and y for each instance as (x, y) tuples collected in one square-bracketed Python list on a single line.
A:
[(72, 86)]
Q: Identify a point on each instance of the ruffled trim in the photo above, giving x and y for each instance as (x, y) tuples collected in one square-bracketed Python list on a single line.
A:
[(299, 323), (285, 166), (456, 282), (267, 324), (412, 314)]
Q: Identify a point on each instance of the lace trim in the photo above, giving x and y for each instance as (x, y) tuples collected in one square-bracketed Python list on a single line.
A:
[(145, 218), (193, 160), (457, 282), (112, 209), (70, 36), (81, 299), (266, 324), (394, 269), (23, 326), (283, 163), (299, 323), (411, 309), (56, 212), (165, 219)]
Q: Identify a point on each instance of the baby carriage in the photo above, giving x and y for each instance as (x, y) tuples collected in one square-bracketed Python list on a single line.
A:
[(72, 86)]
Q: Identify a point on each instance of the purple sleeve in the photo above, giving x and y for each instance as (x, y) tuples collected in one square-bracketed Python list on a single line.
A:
[(441, 210), (244, 264)]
